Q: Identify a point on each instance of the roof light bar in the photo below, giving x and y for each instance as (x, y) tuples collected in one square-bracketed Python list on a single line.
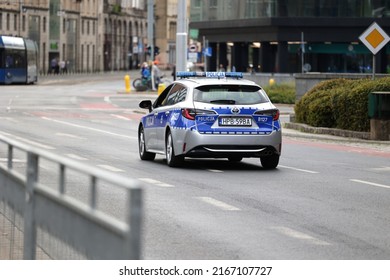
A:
[(184, 74)]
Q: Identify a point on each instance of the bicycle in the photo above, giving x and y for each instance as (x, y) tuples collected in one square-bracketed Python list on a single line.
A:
[(145, 83)]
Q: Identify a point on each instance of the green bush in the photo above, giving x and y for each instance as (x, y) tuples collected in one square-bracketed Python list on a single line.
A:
[(339, 103), (281, 93)]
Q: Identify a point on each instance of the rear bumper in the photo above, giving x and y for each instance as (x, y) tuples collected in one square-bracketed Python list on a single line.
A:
[(195, 144)]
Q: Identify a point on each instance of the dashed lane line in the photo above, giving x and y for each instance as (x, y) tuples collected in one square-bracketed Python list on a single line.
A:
[(298, 169), (214, 170), (90, 128), (370, 183), (156, 182), (300, 235), (39, 145), (217, 203), (73, 156), (121, 117), (70, 135), (110, 168)]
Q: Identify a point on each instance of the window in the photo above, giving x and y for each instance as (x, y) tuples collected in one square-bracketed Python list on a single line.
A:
[(1, 21), (8, 21), (15, 22), (230, 94), (177, 94), (44, 24), (24, 23)]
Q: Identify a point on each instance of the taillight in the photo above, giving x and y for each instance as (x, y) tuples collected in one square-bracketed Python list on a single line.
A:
[(188, 113), (274, 113)]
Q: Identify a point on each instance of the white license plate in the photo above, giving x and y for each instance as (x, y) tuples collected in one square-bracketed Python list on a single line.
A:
[(235, 121)]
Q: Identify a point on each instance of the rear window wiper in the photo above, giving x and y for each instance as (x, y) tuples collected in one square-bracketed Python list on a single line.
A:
[(223, 101)]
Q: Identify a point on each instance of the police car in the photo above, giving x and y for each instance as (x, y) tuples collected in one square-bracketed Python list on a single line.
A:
[(211, 115)]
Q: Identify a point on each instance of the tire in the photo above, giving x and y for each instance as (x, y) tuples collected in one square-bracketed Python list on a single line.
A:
[(137, 82), (235, 159), (172, 159), (143, 154), (138, 85), (270, 162)]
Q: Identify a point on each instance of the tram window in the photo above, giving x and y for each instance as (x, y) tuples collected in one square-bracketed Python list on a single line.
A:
[(15, 59)]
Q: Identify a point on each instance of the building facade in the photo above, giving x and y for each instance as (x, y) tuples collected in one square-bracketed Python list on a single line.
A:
[(165, 31), (289, 36), (87, 35)]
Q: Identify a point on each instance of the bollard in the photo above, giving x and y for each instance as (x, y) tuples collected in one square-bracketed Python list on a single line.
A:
[(161, 88), (271, 82), (127, 84)]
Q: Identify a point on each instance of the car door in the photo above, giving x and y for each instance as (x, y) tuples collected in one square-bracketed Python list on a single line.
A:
[(151, 120), (165, 113)]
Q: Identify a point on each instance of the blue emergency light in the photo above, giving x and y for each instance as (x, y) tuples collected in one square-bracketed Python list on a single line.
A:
[(218, 75)]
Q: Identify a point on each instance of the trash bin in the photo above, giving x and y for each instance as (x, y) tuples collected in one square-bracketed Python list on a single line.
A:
[(379, 113)]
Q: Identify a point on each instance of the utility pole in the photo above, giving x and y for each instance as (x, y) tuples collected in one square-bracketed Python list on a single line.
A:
[(181, 36), (151, 37), (150, 28)]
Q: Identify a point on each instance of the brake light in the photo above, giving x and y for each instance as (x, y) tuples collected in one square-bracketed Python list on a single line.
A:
[(188, 113), (276, 115)]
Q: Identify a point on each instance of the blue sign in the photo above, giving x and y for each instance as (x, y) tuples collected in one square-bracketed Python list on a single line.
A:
[(207, 51)]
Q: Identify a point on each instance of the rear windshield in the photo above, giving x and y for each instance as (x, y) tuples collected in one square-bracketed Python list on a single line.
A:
[(230, 94)]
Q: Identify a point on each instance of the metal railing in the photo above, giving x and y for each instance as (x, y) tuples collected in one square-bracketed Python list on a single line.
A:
[(54, 224)]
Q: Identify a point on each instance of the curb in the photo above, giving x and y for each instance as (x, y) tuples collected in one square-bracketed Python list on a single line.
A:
[(306, 131)]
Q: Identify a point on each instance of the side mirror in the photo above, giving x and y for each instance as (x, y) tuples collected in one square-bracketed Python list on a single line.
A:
[(146, 104)]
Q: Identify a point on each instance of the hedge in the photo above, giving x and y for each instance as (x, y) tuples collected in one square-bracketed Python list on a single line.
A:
[(339, 103)]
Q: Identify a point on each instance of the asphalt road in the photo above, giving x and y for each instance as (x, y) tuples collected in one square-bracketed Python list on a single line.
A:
[(328, 199)]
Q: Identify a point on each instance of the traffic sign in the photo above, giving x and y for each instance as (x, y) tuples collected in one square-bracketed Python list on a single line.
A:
[(207, 51), (375, 38)]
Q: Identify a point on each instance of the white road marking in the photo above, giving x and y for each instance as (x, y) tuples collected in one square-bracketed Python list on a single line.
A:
[(155, 182), (9, 119), (90, 128), (370, 183), (300, 235), (13, 160), (121, 117), (298, 169), (110, 168), (107, 99), (39, 145), (76, 157), (382, 168), (219, 204), (70, 136), (215, 170)]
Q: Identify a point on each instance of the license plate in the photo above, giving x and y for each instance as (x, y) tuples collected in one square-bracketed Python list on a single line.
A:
[(235, 121)]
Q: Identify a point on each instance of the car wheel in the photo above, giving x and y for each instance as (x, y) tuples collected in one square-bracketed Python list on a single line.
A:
[(143, 154), (172, 159), (270, 162), (235, 159)]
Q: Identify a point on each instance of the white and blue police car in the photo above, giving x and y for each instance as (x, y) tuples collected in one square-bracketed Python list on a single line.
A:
[(211, 115)]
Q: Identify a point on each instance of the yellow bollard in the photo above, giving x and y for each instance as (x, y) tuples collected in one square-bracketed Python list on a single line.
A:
[(271, 82), (127, 84), (161, 88)]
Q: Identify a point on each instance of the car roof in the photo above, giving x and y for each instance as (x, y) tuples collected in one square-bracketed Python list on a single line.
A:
[(197, 79)]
